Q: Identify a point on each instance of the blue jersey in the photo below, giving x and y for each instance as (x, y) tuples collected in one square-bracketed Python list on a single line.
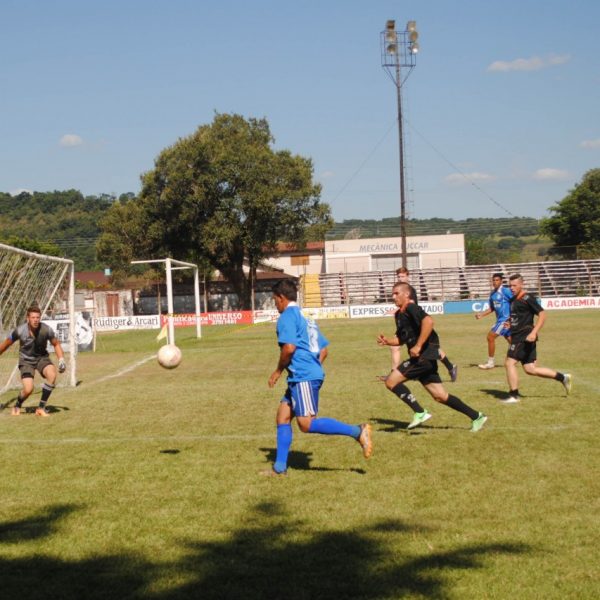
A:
[(294, 328), (500, 303)]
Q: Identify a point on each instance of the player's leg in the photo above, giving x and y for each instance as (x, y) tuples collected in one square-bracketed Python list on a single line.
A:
[(305, 404), (531, 368), (396, 384), (491, 345), (439, 394), (26, 388), (396, 359), (512, 375), (452, 368), (48, 371), (284, 433)]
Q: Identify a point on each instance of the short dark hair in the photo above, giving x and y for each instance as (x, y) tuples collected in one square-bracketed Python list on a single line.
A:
[(402, 270), (286, 288), (516, 276), (34, 308), (500, 275)]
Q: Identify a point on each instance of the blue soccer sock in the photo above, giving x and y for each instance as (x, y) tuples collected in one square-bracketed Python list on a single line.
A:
[(284, 442), (328, 426)]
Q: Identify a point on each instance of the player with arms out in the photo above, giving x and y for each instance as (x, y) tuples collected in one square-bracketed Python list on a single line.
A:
[(499, 303), (414, 328), (33, 337), (302, 349), (524, 334)]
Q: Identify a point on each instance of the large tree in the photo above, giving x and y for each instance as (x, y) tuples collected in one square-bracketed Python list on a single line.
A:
[(222, 194), (576, 219)]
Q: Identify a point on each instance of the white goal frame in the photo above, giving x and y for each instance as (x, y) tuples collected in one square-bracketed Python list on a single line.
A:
[(169, 268), (14, 313)]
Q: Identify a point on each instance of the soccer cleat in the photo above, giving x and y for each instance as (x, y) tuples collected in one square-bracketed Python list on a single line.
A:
[(511, 400), (16, 411), (272, 473), (419, 419), (365, 440), (453, 373), (479, 422), (42, 412), (487, 365), (567, 383)]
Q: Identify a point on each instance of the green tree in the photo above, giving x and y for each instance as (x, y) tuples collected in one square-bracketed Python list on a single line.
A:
[(576, 219), (222, 194)]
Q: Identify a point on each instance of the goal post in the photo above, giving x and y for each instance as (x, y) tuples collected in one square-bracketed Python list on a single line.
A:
[(175, 265), (28, 278)]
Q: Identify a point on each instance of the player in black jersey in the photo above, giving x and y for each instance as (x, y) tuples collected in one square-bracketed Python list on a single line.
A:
[(403, 275), (524, 334), (414, 328)]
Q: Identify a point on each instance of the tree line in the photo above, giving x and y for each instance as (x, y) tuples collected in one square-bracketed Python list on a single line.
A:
[(223, 198)]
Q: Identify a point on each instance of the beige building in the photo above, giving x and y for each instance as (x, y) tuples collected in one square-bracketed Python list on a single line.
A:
[(373, 254)]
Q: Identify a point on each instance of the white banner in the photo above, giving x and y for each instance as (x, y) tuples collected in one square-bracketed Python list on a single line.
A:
[(570, 303), (369, 311), (84, 334), (123, 323), (326, 312)]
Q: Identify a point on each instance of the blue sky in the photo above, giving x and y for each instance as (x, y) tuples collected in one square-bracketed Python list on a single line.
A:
[(502, 109)]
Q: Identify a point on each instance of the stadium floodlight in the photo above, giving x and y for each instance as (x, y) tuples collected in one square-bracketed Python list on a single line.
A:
[(169, 268), (398, 58)]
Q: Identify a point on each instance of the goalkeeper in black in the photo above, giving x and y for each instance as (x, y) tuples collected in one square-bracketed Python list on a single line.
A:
[(414, 328), (33, 336)]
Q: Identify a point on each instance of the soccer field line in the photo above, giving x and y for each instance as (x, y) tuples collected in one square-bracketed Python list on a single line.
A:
[(124, 370), (263, 436)]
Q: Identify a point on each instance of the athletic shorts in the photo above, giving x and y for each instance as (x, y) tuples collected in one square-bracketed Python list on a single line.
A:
[(524, 352), (421, 369), (303, 397), (499, 329), (28, 371)]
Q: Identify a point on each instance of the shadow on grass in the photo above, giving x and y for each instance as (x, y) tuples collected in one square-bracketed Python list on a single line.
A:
[(301, 461), (498, 394), (271, 557)]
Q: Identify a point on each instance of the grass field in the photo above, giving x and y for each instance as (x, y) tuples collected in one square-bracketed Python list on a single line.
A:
[(143, 483)]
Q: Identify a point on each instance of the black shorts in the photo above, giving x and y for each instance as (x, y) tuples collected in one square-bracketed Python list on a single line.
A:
[(28, 370), (524, 352), (421, 369)]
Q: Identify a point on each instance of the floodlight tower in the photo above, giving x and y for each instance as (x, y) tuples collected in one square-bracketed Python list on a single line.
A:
[(398, 58)]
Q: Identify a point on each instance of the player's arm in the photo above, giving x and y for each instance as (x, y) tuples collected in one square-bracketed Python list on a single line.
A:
[(323, 354), (285, 357), (485, 313), (541, 319), (7, 343), (382, 340), (424, 333), (62, 366)]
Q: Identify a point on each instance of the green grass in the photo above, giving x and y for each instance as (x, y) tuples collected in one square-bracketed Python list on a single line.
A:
[(145, 485)]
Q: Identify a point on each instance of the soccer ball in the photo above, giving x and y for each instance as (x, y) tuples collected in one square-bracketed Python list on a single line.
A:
[(169, 356)]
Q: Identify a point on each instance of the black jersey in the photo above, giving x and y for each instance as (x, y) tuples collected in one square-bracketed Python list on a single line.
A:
[(522, 312), (408, 329), (33, 347)]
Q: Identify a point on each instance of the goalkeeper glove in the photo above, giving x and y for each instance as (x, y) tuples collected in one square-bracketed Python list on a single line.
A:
[(62, 365)]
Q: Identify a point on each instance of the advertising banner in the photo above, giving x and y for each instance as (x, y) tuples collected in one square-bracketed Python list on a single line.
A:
[(125, 323), (84, 333), (369, 311), (240, 317), (571, 303)]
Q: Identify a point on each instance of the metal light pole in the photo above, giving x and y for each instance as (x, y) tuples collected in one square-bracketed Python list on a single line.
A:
[(399, 50)]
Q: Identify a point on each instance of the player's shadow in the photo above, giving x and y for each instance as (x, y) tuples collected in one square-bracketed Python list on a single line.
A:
[(38, 526), (390, 425), (301, 461), (498, 394)]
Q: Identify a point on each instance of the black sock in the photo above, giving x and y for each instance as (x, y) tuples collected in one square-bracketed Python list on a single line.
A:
[(19, 401), (460, 406), (405, 395), (447, 363), (46, 391), (514, 393), (559, 377)]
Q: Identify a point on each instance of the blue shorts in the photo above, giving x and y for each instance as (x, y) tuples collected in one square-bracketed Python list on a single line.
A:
[(303, 396), (499, 329)]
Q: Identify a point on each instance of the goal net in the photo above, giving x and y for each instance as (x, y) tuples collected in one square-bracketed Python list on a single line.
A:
[(27, 278)]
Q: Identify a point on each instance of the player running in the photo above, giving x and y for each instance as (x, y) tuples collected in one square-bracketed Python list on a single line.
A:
[(414, 327), (499, 303)]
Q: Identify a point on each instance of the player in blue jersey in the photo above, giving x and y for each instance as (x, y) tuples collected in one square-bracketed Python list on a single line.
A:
[(499, 303), (33, 337), (302, 350)]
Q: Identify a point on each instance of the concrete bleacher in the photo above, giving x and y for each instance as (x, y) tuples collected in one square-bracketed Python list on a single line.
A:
[(547, 279)]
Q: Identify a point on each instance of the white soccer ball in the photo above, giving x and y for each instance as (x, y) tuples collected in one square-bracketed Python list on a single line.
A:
[(169, 356)]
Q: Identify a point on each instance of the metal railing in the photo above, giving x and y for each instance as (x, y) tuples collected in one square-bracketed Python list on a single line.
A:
[(547, 279)]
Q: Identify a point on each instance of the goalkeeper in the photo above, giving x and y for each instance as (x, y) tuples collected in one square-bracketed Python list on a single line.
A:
[(34, 336)]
